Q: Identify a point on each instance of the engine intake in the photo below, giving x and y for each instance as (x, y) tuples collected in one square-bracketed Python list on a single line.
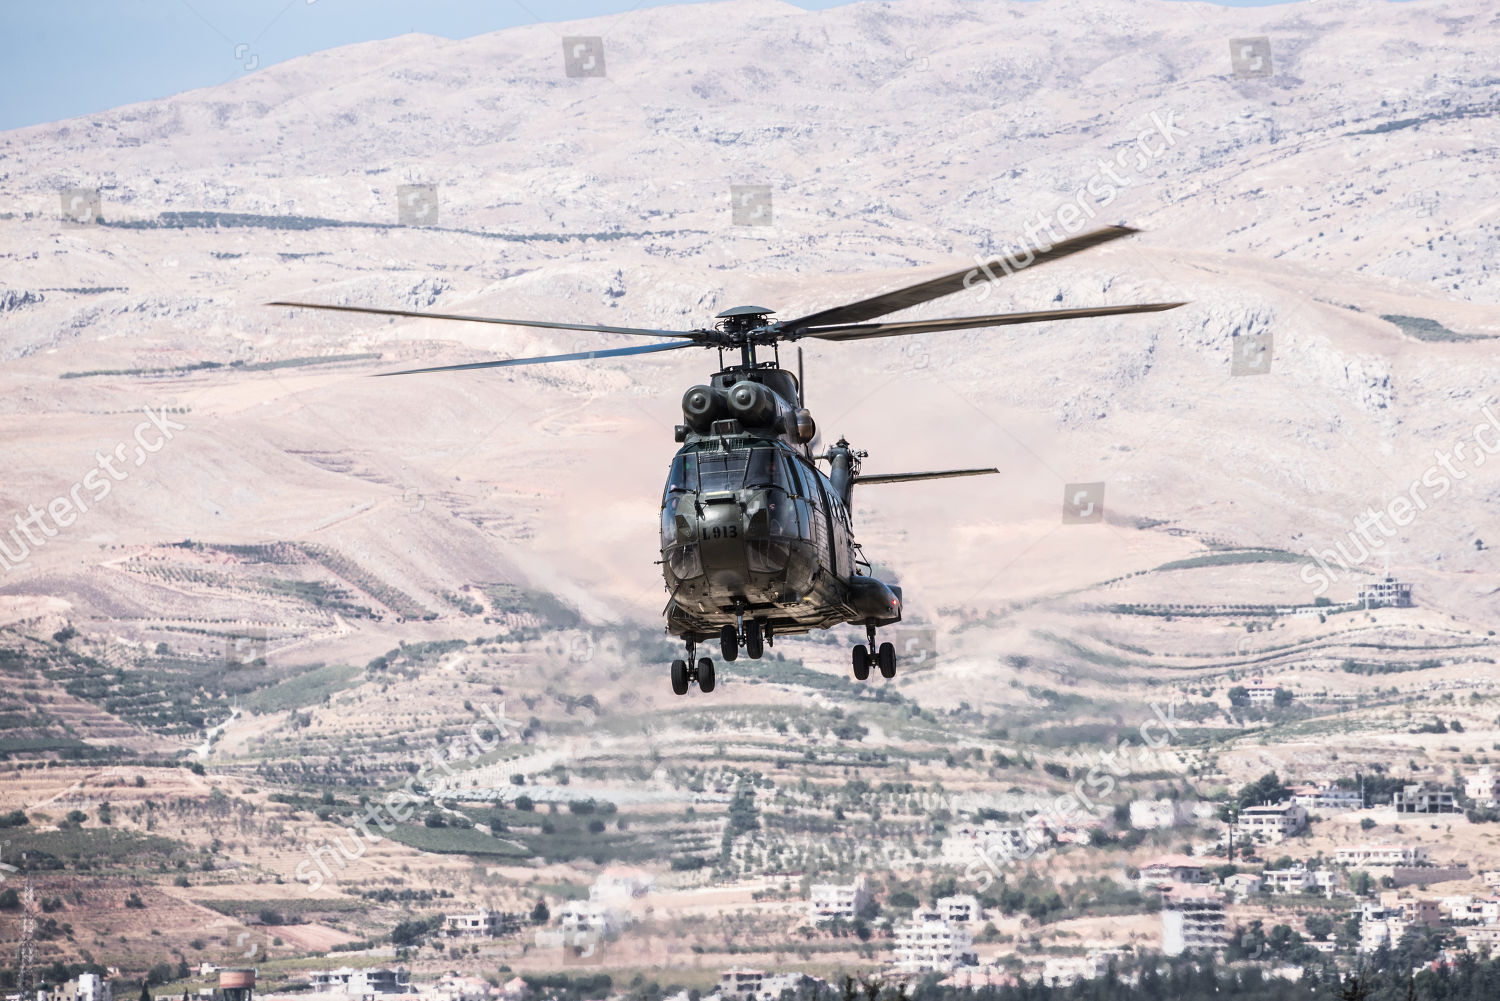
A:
[(753, 405), (702, 405)]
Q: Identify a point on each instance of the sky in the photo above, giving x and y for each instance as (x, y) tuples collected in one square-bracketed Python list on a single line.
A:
[(67, 58)]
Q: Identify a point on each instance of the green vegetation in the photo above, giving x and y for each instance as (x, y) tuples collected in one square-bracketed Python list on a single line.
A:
[(346, 569), (1428, 330), (547, 607), (1232, 558), (93, 848), (458, 841), (308, 688)]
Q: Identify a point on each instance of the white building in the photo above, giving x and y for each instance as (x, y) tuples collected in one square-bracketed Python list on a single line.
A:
[(1297, 879), (1242, 885), (757, 985), (1382, 855), (1385, 592), (932, 946), (579, 924), (577, 916), (1261, 694), (1065, 971), (1483, 787), (483, 923), (1425, 798), (992, 841), (359, 983), (1328, 881), (962, 908), (1381, 928), (452, 987), (1193, 923), (1156, 814), (1484, 937), (1329, 797), (1170, 869), (88, 987), (1273, 822), (837, 900)]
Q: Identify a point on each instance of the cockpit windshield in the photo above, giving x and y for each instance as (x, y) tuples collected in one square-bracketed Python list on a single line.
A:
[(708, 471)]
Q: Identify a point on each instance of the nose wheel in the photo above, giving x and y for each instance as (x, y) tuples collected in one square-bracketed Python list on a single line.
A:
[(686, 672), (750, 636), (865, 656)]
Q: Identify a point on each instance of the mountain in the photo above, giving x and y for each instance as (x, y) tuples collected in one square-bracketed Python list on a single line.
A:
[(1332, 223)]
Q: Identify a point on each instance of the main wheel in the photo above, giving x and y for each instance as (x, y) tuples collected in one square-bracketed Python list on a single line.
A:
[(679, 677), (861, 662), (729, 643), (705, 675), (887, 657), (755, 641)]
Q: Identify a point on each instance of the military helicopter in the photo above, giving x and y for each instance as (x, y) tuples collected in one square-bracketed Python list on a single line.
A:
[(756, 540)]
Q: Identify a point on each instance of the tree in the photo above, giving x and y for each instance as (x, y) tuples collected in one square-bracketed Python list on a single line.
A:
[(1319, 926), (1266, 789), (1282, 698), (540, 913), (1239, 695)]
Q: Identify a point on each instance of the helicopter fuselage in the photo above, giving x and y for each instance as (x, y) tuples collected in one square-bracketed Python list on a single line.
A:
[(751, 528)]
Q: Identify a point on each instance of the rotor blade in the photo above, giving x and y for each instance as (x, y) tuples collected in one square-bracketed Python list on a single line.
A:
[(687, 334), (936, 288), (639, 349), (859, 331), (908, 477)]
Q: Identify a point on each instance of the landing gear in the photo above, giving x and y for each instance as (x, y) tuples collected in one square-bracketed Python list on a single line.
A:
[(685, 672), (883, 656), (861, 662), (755, 641), (729, 643)]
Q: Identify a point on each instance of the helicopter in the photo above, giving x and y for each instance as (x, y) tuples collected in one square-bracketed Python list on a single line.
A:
[(756, 539)]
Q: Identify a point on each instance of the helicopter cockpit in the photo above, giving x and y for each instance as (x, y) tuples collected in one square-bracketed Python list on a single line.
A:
[(764, 486)]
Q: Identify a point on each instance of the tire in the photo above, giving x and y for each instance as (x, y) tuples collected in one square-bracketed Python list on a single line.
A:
[(755, 640), (705, 675), (729, 644), (887, 658), (679, 677), (861, 662)]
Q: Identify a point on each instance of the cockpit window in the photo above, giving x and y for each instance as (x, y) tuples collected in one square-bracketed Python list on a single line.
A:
[(708, 470), (678, 479), (722, 470), (764, 469)]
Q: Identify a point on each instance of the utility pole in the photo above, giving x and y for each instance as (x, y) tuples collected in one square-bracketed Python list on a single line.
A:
[(27, 971)]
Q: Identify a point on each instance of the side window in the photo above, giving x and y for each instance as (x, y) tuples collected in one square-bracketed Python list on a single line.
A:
[(793, 477), (684, 471)]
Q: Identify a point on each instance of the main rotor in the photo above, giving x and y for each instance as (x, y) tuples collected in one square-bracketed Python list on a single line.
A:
[(744, 328)]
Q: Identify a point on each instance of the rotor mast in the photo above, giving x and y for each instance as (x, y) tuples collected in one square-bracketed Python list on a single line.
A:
[(740, 326)]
